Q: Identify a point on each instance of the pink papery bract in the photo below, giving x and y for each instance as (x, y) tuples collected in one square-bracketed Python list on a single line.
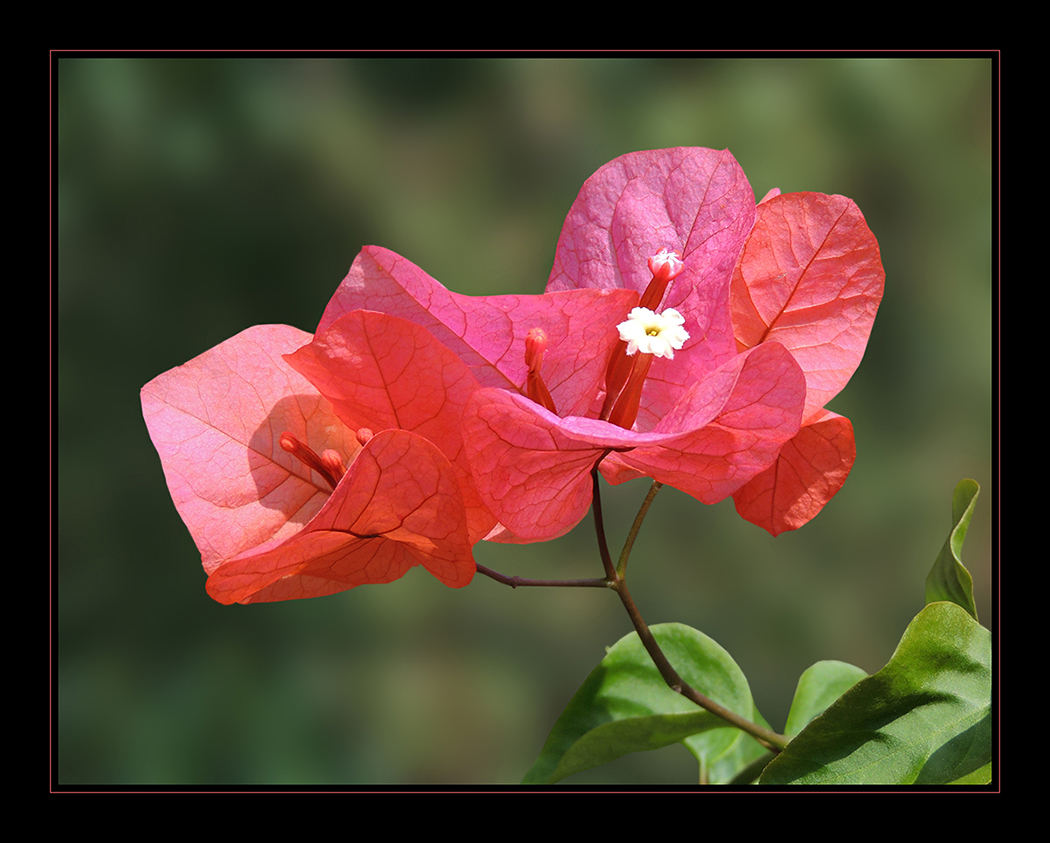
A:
[(536, 466), (488, 333), (777, 300), (694, 201), (267, 526), (802, 270), (809, 470)]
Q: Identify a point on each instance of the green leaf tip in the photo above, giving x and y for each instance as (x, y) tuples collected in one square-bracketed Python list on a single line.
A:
[(818, 687), (924, 719), (948, 579)]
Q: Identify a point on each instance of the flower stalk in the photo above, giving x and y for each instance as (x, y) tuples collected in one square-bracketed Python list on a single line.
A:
[(768, 738), (615, 579)]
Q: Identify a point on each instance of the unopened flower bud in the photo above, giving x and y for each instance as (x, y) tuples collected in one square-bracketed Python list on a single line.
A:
[(535, 347), (535, 388), (329, 465), (666, 264), (331, 460)]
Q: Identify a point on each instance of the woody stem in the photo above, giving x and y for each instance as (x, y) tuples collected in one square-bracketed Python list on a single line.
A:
[(611, 574), (621, 567), (768, 738), (515, 582)]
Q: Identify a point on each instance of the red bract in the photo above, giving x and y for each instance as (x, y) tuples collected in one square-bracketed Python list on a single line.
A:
[(739, 408), (570, 333), (381, 372), (283, 499), (643, 358), (810, 278), (489, 333), (533, 466)]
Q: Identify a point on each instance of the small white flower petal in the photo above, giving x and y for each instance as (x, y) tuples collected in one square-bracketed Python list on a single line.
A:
[(660, 334)]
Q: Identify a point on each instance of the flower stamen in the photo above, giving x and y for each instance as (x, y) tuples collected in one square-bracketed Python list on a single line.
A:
[(329, 465), (535, 388)]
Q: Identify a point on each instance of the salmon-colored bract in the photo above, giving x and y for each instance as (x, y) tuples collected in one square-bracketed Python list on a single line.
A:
[(267, 524)]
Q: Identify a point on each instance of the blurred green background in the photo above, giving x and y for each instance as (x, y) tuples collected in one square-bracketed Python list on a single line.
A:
[(198, 197)]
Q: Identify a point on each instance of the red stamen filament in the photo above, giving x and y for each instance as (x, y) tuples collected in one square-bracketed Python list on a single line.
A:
[(616, 375)]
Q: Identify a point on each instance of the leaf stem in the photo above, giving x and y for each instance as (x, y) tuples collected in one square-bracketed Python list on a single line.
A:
[(514, 582), (615, 579)]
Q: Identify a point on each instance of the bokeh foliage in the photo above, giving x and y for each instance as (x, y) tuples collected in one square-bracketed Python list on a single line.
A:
[(199, 196)]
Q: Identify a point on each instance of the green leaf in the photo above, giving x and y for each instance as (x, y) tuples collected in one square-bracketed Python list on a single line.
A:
[(949, 579), (625, 706), (925, 718), (741, 763), (818, 687)]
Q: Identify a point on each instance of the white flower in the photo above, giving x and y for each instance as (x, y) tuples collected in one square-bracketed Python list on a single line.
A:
[(660, 334)]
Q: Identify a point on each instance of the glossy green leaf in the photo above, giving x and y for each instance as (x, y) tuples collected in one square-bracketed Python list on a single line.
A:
[(741, 763), (949, 579), (925, 718), (818, 687), (625, 706)]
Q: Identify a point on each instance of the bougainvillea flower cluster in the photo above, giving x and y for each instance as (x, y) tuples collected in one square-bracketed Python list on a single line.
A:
[(283, 497), (686, 334)]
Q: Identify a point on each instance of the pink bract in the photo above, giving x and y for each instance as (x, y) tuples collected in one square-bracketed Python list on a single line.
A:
[(778, 300), (534, 467), (267, 526), (800, 270), (488, 333), (381, 372)]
